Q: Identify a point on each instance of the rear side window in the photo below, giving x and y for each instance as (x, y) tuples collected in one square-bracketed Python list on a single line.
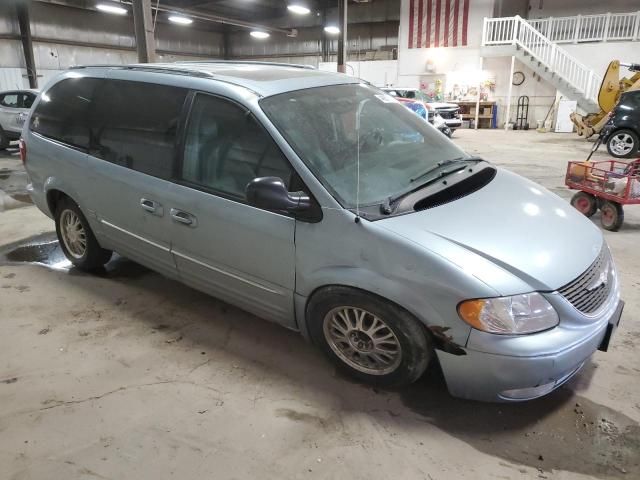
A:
[(226, 148), (9, 100), (62, 112), (135, 125)]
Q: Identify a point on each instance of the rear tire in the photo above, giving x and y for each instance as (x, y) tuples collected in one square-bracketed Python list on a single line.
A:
[(76, 239), (585, 203), (612, 216), (4, 141), (623, 143), (367, 337)]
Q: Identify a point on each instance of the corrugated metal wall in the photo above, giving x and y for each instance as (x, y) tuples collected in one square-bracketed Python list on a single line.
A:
[(65, 36), (361, 36)]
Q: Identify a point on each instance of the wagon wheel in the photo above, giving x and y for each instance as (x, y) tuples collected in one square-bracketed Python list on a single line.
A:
[(585, 203), (612, 216)]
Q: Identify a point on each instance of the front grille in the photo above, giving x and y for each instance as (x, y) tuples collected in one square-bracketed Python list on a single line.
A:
[(589, 291), (448, 114)]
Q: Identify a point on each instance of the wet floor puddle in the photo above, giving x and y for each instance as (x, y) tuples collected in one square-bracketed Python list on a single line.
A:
[(40, 250), (44, 250)]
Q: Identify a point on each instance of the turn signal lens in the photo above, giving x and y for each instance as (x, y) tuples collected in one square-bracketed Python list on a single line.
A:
[(519, 314)]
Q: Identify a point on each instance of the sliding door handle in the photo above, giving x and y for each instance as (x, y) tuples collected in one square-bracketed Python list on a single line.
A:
[(183, 217), (151, 206)]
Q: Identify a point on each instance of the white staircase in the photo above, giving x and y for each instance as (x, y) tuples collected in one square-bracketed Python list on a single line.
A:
[(515, 36)]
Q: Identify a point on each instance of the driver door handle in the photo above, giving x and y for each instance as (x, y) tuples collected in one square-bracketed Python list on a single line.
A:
[(183, 217)]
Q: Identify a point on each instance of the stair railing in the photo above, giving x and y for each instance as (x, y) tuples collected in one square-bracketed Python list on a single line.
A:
[(518, 32)]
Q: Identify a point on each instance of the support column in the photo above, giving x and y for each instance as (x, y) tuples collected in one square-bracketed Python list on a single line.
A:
[(342, 36), (143, 26), (22, 10), (508, 114), (226, 42), (324, 39), (478, 99)]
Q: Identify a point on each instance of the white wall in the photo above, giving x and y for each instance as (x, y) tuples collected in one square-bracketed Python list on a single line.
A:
[(541, 94), (598, 55), (377, 72), (565, 8)]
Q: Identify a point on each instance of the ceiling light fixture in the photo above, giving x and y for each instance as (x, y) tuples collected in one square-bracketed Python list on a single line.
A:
[(299, 9), (111, 8), (333, 30), (259, 34), (180, 20)]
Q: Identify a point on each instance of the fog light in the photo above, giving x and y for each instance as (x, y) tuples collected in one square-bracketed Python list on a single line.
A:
[(527, 393)]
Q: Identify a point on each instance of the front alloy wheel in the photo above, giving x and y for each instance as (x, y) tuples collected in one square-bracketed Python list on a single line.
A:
[(368, 337), (362, 340)]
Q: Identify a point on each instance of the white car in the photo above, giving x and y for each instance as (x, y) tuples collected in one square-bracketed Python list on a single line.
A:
[(450, 112), (14, 108)]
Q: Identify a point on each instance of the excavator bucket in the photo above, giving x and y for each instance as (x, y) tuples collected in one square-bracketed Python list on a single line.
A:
[(610, 90)]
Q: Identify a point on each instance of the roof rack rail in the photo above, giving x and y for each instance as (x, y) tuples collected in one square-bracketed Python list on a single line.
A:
[(150, 68), (246, 62)]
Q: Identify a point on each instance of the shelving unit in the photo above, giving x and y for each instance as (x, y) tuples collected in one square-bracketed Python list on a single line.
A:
[(487, 116)]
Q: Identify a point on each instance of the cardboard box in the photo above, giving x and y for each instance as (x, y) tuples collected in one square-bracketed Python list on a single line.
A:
[(486, 111)]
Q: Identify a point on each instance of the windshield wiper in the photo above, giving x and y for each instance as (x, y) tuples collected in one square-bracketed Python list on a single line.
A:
[(443, 163), (387, 206)]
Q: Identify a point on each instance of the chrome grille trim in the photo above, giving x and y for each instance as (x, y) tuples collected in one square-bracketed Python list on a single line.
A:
[(590, 291)]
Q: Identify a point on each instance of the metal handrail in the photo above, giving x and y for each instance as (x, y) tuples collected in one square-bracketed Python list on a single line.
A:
[(590, 28)]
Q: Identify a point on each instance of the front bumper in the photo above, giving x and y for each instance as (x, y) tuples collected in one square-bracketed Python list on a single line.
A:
[(489, 376), (453, 122)]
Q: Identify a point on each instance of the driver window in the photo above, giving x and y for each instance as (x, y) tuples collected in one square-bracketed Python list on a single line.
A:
[(226, 148)]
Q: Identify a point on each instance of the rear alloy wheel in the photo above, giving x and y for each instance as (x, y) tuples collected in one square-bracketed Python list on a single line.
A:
[(368, 337), (623, 144), (76, 238), (612, 216), (585, 203)]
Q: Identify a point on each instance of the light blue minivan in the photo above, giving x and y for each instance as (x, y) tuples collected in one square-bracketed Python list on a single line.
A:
[(319, 202)]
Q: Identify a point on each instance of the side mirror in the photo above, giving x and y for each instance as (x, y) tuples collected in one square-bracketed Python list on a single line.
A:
[(270, 193)]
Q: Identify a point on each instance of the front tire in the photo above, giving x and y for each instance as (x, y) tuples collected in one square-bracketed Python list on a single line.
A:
[(623, 144), (76, 238), (368, 337), (4, 140)]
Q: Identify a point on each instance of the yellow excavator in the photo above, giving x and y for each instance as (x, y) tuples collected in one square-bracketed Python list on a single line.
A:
[(610, 90)]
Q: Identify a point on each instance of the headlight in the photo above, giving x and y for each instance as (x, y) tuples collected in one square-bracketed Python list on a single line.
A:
[(519, 314)]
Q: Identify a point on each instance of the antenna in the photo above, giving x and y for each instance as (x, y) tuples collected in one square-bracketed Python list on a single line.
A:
[(357, 219)]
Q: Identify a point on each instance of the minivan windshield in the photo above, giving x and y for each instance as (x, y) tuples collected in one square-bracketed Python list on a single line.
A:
[(335, 128)]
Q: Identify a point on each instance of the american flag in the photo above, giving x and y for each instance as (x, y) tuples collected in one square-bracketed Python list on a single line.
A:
[(438, 23)]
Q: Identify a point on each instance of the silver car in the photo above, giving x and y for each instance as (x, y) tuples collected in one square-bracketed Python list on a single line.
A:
[(317, 201), (450, 112), (14, 107)]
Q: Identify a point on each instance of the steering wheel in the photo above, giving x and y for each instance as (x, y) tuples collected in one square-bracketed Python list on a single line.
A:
[(373, 138)]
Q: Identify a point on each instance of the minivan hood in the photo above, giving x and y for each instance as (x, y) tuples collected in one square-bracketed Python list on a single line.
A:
[(515, 224)]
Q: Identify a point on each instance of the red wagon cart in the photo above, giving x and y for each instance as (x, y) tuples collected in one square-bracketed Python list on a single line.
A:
[(607, 185)]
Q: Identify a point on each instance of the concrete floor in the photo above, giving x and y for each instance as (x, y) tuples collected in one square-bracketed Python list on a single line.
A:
[(131, 375)]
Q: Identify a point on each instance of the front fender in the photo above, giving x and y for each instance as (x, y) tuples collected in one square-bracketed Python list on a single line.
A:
[(366, 256)]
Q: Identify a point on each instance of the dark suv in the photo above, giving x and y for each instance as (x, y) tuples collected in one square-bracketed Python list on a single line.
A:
[(622, 131)]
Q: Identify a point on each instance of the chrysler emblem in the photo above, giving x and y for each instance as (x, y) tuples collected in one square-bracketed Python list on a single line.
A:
[(601, 281)]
